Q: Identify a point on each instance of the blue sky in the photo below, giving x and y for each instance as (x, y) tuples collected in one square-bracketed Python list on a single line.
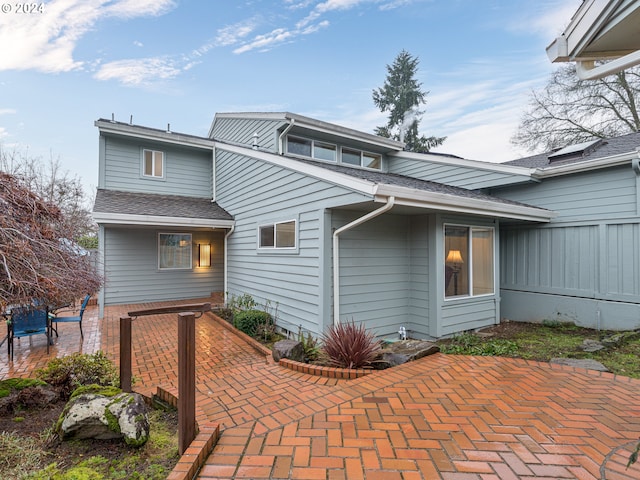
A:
[(179, 62)]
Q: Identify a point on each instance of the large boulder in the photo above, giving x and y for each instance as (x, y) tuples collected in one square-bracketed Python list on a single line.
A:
[(291, 349), (403, 351), (104, 417)]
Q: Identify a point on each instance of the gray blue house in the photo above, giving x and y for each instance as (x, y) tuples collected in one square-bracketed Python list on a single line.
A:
[(334, 224)]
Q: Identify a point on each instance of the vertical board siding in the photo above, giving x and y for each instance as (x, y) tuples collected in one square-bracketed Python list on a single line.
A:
[(188, 172), (256, 192), (242, 131), (456, 175), (563, 259), (131, 268), (623, 260), (375, 271)]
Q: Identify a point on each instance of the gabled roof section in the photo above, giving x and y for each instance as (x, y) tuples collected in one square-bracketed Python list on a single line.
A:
[(407, 191), (600, 153), (600, 30), (147, 133), (301, 122), (133, 208)]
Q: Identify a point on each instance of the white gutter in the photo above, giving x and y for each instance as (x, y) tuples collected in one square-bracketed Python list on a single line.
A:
[(586, 166), (282, 135), (226, 267), (587, 70), (155, 220), (336, 253)]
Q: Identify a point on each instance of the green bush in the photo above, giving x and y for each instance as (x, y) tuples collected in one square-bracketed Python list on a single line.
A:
[(252, 321), (70, 372)]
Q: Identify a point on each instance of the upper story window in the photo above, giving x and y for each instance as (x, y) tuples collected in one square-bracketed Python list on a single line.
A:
[(329, 152), (278, 235), (152, 163), (361, 159)]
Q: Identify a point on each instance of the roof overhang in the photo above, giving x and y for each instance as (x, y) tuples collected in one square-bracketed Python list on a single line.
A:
[(461, 205), (600, 30), (587, 165), (104, 218), (165, 136)]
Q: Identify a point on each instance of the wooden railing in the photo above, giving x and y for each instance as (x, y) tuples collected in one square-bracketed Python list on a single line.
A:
[(186, 363)]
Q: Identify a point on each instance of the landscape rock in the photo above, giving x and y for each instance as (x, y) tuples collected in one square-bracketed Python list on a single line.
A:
[(591, 346), (586, 363), (291, 349), (404, 351), (103, 417)]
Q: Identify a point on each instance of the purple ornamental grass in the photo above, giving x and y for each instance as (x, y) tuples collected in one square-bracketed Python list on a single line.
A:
[(350, 346)]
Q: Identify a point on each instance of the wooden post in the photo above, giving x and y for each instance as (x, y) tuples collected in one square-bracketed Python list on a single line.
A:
[(125, 354), (186, 380)]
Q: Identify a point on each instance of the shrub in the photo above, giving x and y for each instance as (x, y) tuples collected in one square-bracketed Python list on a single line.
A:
[(70, 372), (310, 345), (252, 321), (350, 346)]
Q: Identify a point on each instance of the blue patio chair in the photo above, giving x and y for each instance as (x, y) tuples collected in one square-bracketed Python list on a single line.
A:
[(27, 321), (71, 319)]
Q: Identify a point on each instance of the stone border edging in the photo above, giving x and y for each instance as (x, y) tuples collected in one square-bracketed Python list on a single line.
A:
[(320, 371), (200, 448)]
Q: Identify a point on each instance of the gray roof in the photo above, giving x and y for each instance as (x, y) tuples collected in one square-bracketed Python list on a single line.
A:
[(131, 203), (606, 148), (410, 182)]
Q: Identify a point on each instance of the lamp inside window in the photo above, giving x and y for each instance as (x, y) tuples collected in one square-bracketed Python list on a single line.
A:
[(204, 255)]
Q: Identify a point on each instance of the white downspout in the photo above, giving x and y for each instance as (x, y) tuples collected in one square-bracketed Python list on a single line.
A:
[(282, 135), (226, 267), (336, 252)]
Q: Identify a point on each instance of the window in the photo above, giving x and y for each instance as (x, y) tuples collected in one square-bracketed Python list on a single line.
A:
[(469, 263), (278, 235), (174, 251), (299, 146), (329, 152), (361, 159), (152, 163), (324, 151)]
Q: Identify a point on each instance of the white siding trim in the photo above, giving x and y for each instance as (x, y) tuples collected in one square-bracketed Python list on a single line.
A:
[(130, 219)]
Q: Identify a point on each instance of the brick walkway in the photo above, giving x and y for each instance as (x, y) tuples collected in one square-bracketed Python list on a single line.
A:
[(442, 417)]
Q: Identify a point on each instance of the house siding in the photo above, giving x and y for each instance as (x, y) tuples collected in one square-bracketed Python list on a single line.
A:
[(459, 176), (132, 274), (418, 309), (242, 131), (188, 172), (256, 192), (584, 266)]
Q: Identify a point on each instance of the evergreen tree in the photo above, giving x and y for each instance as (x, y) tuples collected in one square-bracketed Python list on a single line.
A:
[(402, 96)]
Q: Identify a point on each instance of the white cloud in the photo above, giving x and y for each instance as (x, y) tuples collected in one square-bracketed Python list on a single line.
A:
[(547, 18), (7, 111), (46, 41), (139, 72)]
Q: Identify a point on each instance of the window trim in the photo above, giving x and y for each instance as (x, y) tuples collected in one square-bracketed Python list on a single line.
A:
[(470, 228), (143, 160), (275, 248), (190, 244)]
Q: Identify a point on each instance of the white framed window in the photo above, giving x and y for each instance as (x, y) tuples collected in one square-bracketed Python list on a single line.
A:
[(469, 265), (359, 158), (174, 251), (278, 235), (152, 163), (329, 152)]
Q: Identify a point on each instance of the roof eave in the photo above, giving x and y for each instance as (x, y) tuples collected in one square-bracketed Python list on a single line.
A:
[(106, 218), (107, 127), (456, 204), (586, 166)]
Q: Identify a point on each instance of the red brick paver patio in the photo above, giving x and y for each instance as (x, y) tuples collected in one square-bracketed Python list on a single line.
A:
[(442, 417)]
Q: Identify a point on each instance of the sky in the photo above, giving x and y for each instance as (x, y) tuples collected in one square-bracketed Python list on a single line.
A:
[(66, 63)]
